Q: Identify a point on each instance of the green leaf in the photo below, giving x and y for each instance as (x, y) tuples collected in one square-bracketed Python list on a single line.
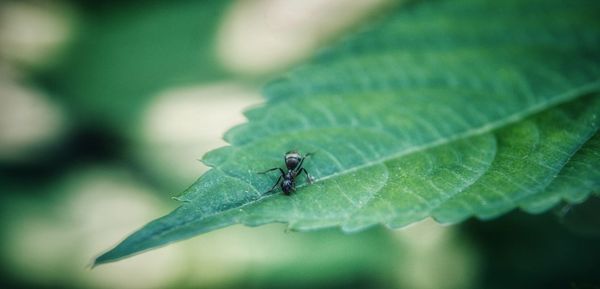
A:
[(122, 57), (577, 180), (447, 109)]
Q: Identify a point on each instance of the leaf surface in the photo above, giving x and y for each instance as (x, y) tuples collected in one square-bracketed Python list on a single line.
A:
[(446, 109)]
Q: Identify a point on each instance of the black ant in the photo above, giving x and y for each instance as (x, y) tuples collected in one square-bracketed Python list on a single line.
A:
[(293, 162)]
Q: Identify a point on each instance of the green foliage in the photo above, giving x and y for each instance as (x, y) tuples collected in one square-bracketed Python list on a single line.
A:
[(447, 109), (122, 56)]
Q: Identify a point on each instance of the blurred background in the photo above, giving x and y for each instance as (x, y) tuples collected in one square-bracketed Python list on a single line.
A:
[(106, 107)]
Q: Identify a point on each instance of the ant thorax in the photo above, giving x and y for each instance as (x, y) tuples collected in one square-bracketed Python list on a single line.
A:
[(292, 159)]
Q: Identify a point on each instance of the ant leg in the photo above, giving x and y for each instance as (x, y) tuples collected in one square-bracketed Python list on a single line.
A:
[(274, 186), (302, 161), (309, 179), (270, 170)]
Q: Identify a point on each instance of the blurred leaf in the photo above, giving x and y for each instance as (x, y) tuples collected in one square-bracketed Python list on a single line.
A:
[(330, 259), (447, 109), (125, 55), (583, 218), (526, 251)]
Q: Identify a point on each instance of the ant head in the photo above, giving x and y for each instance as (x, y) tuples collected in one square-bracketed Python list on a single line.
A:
[(292, 159)]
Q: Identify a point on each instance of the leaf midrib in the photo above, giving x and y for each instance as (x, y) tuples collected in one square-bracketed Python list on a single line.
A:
[(469, 133)]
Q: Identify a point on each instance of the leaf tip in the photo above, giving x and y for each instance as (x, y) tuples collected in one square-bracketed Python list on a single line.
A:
[(97, 261)]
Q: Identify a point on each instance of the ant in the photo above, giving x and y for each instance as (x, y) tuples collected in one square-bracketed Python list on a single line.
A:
[(293, 162)]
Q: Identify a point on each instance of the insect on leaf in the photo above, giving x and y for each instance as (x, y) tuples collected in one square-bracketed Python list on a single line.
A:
[(445, 109)]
